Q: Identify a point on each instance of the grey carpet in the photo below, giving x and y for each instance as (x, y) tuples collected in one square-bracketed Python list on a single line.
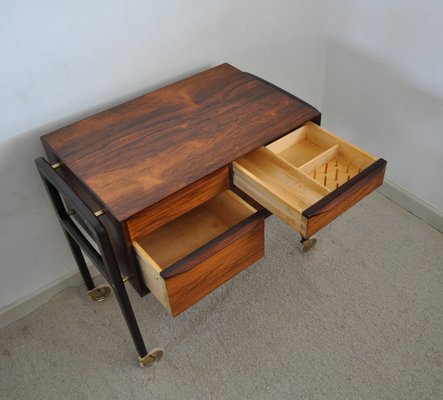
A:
[(360, 317)]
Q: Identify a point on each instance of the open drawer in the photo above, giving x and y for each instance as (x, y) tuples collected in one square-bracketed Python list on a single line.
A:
[(308, 177), (186, 259)]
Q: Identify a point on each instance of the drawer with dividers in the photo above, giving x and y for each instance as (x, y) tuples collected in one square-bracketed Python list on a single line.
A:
[(308, 177)]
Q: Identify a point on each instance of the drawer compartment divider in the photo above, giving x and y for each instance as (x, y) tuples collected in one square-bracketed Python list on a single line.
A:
[(320, 160)]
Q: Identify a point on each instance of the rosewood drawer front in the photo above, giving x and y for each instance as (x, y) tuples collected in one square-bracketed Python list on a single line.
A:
[(178, 203), (308, 177), (189, 257)]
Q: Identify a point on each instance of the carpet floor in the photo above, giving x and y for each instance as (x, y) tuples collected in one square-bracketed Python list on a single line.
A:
[(358, 317)]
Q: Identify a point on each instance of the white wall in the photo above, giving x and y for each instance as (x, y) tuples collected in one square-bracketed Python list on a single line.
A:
[(64, 60), (384, 87)]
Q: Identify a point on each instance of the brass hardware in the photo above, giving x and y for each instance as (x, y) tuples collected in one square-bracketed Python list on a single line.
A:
[(71, 212), (99, 213), (307, 244), (100, 293), (57, 165), (153, 356), (126, 278)]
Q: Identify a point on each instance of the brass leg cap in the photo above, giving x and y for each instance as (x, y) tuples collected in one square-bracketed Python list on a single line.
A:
[(307, 244), (153, 356), (100, 293)]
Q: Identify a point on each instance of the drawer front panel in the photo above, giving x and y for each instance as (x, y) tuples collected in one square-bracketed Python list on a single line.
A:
[(335, 204), (177, 204), (188, 258), (187, 288), (309, 177)]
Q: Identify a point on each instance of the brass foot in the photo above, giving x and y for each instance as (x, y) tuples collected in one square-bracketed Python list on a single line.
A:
[(153, 356), (307, 244), (100, 293)]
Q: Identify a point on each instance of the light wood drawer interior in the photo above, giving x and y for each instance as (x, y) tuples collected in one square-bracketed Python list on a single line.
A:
[(308, 177), (187, 258)]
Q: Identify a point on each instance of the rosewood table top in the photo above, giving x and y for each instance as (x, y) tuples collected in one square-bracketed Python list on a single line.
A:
[(135, 154)]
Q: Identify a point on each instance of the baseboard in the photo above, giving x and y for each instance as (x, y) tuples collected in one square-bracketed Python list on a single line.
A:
[(26, 305), (413, 204)]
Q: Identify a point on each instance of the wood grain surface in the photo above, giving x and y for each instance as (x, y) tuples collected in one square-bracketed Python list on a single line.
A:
[(142, 151), (188, 287), (340, 200), (220, 242), (178, 203)]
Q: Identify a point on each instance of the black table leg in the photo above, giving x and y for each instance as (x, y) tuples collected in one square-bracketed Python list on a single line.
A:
[(104, 259)]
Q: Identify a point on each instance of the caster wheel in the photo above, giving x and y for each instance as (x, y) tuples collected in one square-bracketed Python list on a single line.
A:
[(307, 244), (100, 293), (153, 356)]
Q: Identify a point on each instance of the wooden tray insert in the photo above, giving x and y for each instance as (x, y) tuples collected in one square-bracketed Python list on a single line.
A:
[(321, 156)]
